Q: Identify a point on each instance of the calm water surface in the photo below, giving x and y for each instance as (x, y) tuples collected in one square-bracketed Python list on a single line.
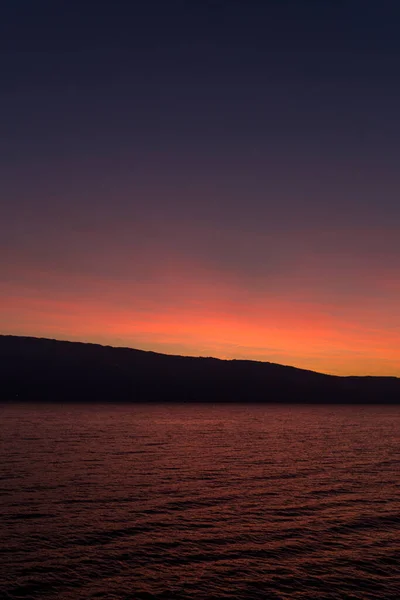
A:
[(199, 502)]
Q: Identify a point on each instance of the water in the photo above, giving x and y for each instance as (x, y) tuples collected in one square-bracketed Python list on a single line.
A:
[(200, 502)]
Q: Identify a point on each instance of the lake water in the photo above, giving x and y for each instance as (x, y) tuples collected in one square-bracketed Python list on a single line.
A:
[(200, 502)]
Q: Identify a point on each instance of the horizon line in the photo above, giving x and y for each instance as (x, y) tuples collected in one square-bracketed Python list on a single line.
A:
[(249, 360)]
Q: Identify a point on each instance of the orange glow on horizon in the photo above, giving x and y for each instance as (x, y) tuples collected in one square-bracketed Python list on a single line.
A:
[(199, 315)]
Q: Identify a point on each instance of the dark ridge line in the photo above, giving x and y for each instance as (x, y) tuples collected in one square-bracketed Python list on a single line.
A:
[(57, 370), (192, 357)]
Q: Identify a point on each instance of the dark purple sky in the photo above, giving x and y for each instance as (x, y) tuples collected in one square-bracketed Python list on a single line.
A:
[(204, 177)]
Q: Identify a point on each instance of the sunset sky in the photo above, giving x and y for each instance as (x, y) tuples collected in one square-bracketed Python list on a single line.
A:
[(204, 178)]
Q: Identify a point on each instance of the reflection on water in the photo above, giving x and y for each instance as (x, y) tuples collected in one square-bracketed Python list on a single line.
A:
[(200, 502)]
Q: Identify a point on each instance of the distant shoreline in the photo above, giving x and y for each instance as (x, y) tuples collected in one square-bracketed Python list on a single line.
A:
[(41, 369)]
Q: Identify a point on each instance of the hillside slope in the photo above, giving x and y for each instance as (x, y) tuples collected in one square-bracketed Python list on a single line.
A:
[(33, 369)]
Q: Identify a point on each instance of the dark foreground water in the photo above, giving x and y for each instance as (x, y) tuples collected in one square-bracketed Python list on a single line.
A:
[(200, 502)]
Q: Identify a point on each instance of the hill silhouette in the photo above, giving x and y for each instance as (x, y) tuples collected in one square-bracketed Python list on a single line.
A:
[(36, 369)]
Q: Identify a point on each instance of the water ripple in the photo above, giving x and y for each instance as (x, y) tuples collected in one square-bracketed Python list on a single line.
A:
[(200, 502)]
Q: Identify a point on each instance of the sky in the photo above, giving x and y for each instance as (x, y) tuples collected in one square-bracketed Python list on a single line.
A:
[(214, 178)]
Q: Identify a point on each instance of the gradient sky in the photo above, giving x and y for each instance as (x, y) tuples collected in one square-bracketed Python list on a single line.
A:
[(208, 178)]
